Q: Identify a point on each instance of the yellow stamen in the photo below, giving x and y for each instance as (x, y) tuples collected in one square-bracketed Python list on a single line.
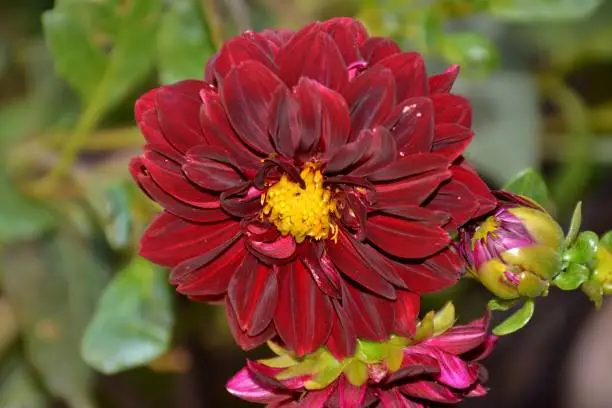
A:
[(489, 226), (301, 212)]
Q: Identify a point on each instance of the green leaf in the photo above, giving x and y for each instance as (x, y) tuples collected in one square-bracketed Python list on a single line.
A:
[(594, 291), (574, 276), (183, 42), (18, 387), (530, 184), (606, 240), (21, 218), (517, 320), (584, 249), (574, 227), (53, 284), (102, 48), (473, 51), (133, 321), (543, 10), (497, 304)]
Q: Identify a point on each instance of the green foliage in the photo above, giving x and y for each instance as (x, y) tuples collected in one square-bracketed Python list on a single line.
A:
[(517, 320), (572, 277), (18, 387), (472, 51), (543, 10), (574, 227), (184, 43), (133, 322), (530, 184), (102, 48), (584, 249), (497, 304), (53, 285)]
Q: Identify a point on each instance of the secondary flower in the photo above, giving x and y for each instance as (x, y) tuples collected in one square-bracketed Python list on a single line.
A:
[(310, 182), (515, 251), (438, 365)]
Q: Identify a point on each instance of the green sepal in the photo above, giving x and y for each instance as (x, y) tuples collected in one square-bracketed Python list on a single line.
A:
[(574, 276), (517, 320), (574, 227), (356, 372), (444, 319), (497, 304), (584, 249), (594, 291), (606, 240)]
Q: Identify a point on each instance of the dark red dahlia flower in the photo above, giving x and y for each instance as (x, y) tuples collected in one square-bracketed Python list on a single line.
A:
[(409, 373), (310, 182)]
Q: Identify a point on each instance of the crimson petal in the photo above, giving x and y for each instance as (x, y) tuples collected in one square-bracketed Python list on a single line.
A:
[(451, 108), (394, 399), (371, 97), (211, 174), (405, 239), (322, 271), (457, 199), (381, 151), (410, 190), (247, 93), (343, 339), (350, 395), (302, 315), (437, 272), (409, 71), (284, 125), (239, 49), (412, 125), (371, 315), (244, 340), (451, 140), (443, 82), (253, 293), (178, 116), (314, 56), (377, 48), (406, 312), (348, 34), (408, 166), (348, 261), (430, 391)]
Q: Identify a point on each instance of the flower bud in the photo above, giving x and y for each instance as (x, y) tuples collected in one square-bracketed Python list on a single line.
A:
[(515, 251)]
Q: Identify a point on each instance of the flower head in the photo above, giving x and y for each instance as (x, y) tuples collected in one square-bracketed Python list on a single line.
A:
[(437, 365), (515, 251), (310, 182)]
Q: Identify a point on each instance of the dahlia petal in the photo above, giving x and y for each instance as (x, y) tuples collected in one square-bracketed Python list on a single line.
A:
[(406, 313), (394, 399), (348, 34), (211, 174), (324, 114), (371, 98), (437, 272), (240, 49), (170, 240), (412, 165), (253, 293), (208, 274), (408, 69), (381, 151), (349, 154), (350, 395), (322, 271), (247, 92), (348, 261), (412, 190), (241, 201), (284, 124), (279, 37), (245, 341), (151, 129), (414, 364), (412, 125), (178, 116), (454, 372), (377, 262), (315, 399), (403, 238), (168, 176), (457, 199), (145, 103), (416, 213), (219, 132), (302, 313), (477, 391), (442, 83), (169, 202), (430, 391), (484, 350), (460, 339), (486, 201), (372, 316), (451, 140), (375, 49), (281, 248), (342, 340), (450, 108), (314, 56), (242, 385)]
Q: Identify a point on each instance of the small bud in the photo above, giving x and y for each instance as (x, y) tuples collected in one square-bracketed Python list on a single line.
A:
[(515, 252)]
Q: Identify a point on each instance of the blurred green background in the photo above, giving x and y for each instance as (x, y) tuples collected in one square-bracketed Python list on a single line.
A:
[(84, 323)]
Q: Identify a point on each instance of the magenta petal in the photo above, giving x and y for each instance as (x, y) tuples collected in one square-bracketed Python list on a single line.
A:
[(430, 391), (405, 239), (377, 48), (414, 364), (315, 399), (349, 395), (460, 339), (302, 316), (348, 261), (454, 372), (443, 82), (451, 140), (412, 125), (243, 386), (371, 97), (315, 56), (253, 294), (394, 399), (477, 391), (324, 116), (406, 313), (247, 93)]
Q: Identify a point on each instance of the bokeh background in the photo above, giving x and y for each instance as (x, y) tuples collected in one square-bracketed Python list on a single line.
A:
[(539, 74)]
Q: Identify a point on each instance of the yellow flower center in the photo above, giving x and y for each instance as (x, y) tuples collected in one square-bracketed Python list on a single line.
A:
[(301, 212), (489, 226)]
